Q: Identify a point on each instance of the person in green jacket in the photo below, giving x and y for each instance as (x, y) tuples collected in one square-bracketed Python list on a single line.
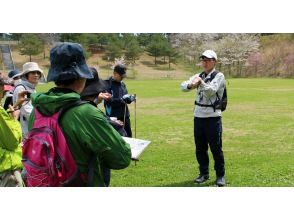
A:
[(10, 142), (88, 133)]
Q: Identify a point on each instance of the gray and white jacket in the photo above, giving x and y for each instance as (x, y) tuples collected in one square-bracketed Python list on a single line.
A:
[(206, 94), (27, 107)]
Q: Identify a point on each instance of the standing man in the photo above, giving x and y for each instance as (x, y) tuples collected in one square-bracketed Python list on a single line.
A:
[(210, 85), (117, 105)]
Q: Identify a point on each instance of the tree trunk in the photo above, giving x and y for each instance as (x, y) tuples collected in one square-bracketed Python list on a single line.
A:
[(169, 62), (155, 60), (241, 67), (238, 68), (44, 52), (30, 58)]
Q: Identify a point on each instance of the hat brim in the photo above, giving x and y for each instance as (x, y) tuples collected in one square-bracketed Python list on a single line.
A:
[(28, 71), (80, 71), (206, 56), (17, 75), (94, 88)]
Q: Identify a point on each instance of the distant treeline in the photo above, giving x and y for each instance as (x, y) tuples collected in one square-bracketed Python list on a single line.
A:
[(240, 55)]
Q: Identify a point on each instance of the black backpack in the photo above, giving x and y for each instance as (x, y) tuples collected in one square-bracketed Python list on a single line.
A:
[(219, 103)]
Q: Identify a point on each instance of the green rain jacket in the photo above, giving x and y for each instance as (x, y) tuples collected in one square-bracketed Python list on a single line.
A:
[(87, 132), (10, 142)]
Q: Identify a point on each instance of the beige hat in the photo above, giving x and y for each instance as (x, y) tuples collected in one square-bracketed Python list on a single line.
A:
[(29, 67)]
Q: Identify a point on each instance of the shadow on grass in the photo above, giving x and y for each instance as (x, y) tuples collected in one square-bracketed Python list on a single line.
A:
[(190, 183)]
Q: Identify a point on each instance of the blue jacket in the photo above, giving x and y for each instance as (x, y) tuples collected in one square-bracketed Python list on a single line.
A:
[(116, 107)]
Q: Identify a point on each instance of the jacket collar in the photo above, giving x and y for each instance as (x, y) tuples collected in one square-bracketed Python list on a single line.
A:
[(28, 84)]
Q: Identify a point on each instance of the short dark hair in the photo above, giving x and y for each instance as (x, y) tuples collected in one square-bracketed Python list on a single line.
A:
[(89, 97)]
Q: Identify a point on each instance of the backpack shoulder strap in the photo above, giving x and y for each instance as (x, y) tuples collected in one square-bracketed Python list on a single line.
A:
[(201, 75), (212, 76), (19, 85)]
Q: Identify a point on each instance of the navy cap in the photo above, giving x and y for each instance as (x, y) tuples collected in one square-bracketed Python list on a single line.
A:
[(68, 62), (120, 69), (12, 73)]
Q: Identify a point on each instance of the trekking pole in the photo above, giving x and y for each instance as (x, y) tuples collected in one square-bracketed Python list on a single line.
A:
[(125, 115), (135, 118)]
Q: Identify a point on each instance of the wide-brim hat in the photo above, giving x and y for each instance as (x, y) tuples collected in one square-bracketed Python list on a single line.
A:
[(29, 67), (94, 86), (68, 62), (210, 54)]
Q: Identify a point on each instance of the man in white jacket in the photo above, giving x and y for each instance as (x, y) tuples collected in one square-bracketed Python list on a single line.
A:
[(210, 85), (30, 77)]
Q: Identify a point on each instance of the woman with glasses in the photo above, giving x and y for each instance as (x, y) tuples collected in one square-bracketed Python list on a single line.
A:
[(30, 77)]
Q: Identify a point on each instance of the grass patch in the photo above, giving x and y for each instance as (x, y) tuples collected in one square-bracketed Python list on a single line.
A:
[(258, 139)]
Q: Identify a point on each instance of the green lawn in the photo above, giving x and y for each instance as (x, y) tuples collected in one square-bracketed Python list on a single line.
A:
[(258, 139)]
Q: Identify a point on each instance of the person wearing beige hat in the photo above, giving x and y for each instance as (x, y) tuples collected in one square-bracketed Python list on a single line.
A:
[(30, 76)]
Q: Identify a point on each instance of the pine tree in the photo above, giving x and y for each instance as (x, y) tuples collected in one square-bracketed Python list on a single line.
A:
[(30, 44)]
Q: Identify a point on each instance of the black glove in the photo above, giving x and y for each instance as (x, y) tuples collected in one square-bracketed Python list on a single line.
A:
[(129, 98)]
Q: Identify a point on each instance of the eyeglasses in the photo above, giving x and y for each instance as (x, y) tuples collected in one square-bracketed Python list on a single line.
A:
[(35, 73)]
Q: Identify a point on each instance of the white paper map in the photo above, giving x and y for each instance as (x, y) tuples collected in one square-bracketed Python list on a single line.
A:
[(137, 146)]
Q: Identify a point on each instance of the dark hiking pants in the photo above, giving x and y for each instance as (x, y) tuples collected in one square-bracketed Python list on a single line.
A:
[(208, 131)]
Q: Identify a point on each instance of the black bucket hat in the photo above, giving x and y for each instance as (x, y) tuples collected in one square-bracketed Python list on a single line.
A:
[(68, 62), (121, 69), (94, 86)]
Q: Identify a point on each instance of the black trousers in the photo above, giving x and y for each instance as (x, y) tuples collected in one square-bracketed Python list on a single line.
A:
[(127, 126), (208, 131)]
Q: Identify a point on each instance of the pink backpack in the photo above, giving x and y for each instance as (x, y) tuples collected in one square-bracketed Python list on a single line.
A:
[(46, 155)]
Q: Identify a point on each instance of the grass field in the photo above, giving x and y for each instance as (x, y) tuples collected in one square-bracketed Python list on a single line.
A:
[(258, 139)]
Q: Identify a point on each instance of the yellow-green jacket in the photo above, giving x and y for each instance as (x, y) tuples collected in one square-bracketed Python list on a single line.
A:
[(10, 142)]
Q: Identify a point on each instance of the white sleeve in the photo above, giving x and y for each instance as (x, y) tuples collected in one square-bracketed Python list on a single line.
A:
[(17, 90), (210, 89), (185, 84)]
